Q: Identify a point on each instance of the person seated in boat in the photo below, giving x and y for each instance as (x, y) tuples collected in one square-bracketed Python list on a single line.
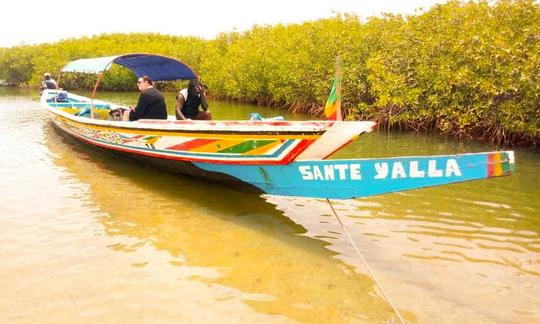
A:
[(48, 82), (151, 104), (189, 100), (116, 114)]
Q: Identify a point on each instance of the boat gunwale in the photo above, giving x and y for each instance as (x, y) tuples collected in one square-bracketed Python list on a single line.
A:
[(317, 127), (195, 126)]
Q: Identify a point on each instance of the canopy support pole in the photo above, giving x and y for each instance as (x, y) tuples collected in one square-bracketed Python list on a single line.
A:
[(56, 89), (58, 80), (94, 94)]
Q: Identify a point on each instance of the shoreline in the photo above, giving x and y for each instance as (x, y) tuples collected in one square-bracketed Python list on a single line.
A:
[(511, 139)]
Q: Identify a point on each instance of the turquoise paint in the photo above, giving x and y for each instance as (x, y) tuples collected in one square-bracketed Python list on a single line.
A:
[(344, 179)]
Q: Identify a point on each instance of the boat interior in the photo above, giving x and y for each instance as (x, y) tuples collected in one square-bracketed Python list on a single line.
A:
[(79, 106)]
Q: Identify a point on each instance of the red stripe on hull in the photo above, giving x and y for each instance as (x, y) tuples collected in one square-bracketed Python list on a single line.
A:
[(191, 144), (287, 159), (491, 167), (295, 151)]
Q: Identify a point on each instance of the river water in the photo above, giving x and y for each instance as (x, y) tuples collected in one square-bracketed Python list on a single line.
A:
[(87, 237)]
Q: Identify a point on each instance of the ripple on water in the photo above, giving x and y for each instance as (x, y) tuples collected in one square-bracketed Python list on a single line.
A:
[(90, 237), (438, 242)]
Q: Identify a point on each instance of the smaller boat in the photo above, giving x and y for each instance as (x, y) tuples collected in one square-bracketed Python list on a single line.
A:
[(269, 156)]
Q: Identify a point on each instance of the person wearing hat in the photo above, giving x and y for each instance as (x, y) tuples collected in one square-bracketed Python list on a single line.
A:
[(189, 100), (48, 83)]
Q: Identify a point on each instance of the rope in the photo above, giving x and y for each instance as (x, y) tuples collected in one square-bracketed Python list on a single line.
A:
[(366, 265)]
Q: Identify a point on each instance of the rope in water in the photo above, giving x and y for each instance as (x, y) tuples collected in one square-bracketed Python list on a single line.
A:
[(385, 296)]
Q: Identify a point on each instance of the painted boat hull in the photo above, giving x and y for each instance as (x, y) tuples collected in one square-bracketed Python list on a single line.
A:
[(278, 158), (351, 178), (222, 142), (342, 178)]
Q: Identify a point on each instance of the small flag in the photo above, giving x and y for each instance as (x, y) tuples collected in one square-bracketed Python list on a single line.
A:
[(332, 109)]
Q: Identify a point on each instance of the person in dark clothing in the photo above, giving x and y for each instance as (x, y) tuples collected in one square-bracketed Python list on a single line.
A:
[(48, 83), (189, 100), (151, 104)]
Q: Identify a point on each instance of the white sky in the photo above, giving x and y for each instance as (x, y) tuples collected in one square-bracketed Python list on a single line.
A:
[(32, 22)]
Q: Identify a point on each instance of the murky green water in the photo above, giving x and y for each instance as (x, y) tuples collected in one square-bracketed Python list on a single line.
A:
[(87, 237)]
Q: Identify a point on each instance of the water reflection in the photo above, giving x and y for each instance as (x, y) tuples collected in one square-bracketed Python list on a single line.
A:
[(235, 239), (437, 251), (121, 241)]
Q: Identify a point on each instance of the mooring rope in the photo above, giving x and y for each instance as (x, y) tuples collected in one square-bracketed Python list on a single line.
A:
[(365, 264)]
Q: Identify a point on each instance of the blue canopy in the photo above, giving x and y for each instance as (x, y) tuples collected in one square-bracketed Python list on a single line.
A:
[(158, 68)]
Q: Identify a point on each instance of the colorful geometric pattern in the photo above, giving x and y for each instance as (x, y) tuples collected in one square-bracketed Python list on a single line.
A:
[(223, 141), (216, 145), (264, 155), (219, 148), (499, 164)]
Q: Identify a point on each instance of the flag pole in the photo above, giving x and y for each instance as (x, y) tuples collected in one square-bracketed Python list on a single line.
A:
[(338, 88), (332, 108)]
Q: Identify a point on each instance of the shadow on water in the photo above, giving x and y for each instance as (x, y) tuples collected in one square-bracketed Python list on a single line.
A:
[(244, 238)]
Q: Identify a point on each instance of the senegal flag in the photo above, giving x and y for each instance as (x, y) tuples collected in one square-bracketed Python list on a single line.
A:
[(332, 109)]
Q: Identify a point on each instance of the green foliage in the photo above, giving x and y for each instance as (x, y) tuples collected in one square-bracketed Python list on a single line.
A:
[(469, 69), (16, 66), (23, 65)]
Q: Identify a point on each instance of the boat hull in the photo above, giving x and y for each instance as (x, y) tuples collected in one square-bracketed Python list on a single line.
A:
[(338, 179), (351, 178), (222, 142), (279, 158)]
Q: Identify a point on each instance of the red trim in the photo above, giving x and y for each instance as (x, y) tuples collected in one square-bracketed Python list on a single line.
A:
[(490, 165), (186, 146), (299, 148), (287, 159), (314, 123)]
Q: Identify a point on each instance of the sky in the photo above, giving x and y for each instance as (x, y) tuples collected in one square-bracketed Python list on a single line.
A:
[(34, 22)]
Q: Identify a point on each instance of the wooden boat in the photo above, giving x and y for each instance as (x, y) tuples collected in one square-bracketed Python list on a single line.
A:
[(274, 157)]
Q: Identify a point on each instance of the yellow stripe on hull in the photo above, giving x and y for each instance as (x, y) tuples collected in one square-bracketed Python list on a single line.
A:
[(497, 165), (264, 149), (217, 146)]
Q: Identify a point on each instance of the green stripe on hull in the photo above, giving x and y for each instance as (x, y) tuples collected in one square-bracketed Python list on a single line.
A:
[(246, 146), (506, 165)]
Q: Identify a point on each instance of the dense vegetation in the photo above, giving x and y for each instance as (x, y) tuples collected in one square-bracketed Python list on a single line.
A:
[(467, 69)]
